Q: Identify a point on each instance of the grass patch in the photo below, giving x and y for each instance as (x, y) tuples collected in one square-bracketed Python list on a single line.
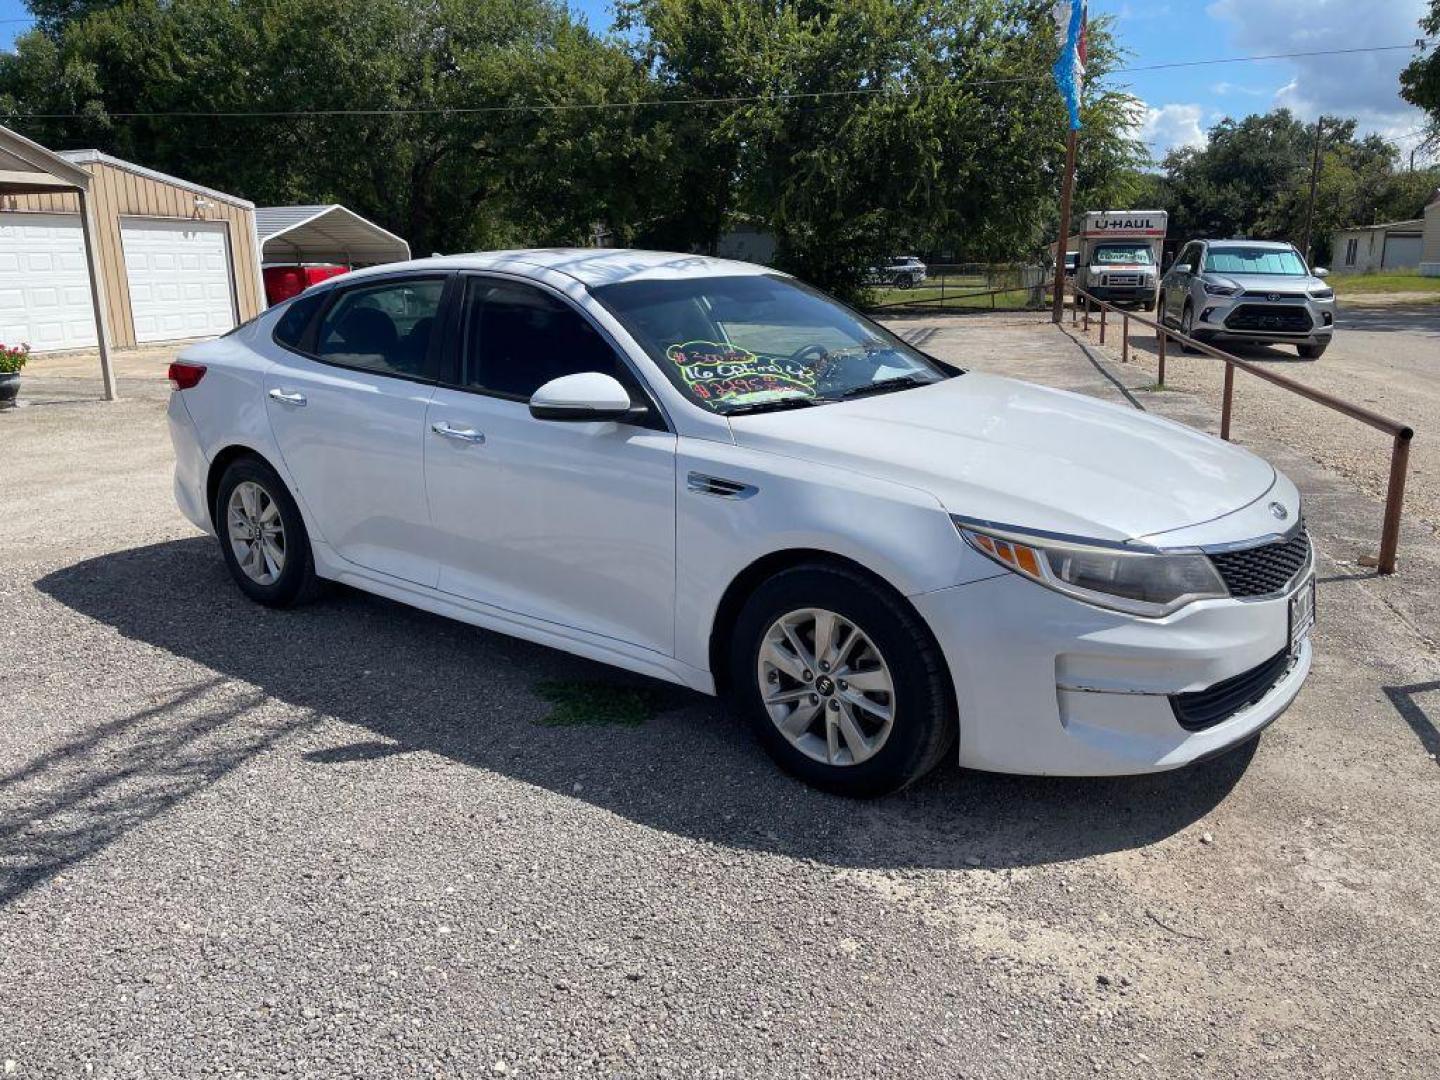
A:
[(1004, 301), (1361, 284), (595, 704)]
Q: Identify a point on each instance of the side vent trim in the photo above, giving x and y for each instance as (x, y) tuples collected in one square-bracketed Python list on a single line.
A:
[(718, 486)]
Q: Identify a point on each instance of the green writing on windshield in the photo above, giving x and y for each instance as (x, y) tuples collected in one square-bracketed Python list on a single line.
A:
[(717, 373)]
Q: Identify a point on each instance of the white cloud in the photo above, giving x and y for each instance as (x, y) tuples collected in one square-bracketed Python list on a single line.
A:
[(1225, 89), (1168, 126), (1362, 85)]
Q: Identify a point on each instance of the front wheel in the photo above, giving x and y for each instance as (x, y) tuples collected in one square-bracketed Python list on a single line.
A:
[(843, 685), (1187, 327), (1312, 352)]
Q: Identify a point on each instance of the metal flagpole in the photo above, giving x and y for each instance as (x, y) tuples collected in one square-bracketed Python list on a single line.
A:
[(1070, 16), (1057, 305)]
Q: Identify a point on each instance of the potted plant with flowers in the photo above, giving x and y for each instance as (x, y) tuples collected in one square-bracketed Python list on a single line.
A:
[(12, 359)]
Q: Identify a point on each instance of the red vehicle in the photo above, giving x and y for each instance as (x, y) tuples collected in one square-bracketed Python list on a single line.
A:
[(283, 282)]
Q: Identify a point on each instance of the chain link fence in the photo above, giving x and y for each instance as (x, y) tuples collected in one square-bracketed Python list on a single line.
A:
[(963, 287)]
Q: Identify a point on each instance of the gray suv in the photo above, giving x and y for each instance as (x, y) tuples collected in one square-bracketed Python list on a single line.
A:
[(1248, 290)]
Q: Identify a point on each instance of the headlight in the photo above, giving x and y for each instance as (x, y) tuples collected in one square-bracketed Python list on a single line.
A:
[(1214, 288), (1323, 294), (1110, 576)]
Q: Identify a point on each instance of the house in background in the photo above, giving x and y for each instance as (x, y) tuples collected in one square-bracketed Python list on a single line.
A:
[(1395, 245), (1398, 245)]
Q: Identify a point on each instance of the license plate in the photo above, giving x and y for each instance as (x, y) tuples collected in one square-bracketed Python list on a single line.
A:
[(1302, 613)]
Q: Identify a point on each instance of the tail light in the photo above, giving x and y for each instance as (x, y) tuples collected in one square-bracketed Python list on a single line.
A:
[(184, 376)]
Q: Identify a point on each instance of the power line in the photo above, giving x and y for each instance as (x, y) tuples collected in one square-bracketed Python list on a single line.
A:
[(812, 95)]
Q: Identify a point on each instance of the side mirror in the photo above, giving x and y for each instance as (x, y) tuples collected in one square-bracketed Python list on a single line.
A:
[(1320, 271), (585, 397)]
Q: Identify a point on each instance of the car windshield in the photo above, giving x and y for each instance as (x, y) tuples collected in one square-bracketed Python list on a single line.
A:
[(1113, 254), (762, 341), (1244, 260)]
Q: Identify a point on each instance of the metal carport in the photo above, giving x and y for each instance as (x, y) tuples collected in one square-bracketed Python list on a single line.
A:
[(27, 168), (324, 234)]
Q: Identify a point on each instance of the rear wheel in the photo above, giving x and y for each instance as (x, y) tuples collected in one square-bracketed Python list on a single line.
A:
[(263, 537), (841, 682), (1312, 352)]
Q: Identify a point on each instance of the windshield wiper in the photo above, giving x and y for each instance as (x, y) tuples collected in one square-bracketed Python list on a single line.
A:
[(772, 405), (884, 386)]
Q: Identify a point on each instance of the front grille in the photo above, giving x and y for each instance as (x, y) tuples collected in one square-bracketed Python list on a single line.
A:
[(1122, 279), (1216, 704), (1265, 569), (1271, 320)]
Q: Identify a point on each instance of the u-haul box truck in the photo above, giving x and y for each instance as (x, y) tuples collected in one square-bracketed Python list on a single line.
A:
[(1120, 255)]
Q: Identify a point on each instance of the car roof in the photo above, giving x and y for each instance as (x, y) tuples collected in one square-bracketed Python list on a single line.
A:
[(591, 266)]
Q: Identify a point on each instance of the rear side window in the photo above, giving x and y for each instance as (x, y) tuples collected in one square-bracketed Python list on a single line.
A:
[(385, 328), (519, 337), (291, 327)]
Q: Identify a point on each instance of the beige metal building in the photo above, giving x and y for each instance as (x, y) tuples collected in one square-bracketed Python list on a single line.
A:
[(1430, 243), (174, 260)]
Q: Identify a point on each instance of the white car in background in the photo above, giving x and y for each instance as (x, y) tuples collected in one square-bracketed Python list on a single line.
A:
[(903, 272), (712, 474)]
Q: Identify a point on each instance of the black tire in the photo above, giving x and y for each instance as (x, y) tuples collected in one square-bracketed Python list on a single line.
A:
[(1312, 352), (297, 582), (1187, 327), (924, 726)]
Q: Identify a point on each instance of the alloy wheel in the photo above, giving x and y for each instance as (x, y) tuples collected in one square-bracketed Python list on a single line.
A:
[(826, 686), (256, 533)]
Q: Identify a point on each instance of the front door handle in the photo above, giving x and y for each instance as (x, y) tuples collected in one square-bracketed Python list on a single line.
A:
[(287, 398), (467, 435)]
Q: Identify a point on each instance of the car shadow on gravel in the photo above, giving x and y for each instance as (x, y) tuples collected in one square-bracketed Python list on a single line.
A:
[(418, 682)]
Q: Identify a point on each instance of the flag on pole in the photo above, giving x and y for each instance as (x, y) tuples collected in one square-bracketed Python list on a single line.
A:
[(1070, 21)]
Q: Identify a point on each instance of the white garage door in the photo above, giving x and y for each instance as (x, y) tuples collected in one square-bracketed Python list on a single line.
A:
[(179, 273), (44, 287)]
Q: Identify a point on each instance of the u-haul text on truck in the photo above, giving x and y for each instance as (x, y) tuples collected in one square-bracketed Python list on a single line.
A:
[(1120, 255)]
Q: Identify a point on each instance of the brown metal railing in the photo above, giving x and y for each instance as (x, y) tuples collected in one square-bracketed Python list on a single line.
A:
[(1400, 434)]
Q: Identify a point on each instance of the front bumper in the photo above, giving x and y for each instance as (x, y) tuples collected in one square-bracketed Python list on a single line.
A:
[(1048, 685), (1124, 293), (1251, 317)]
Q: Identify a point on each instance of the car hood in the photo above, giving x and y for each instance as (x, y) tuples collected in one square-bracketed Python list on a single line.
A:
[(1006, 451), (1284, 284)]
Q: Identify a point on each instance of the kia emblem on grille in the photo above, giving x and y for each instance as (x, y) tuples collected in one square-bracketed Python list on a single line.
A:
[(1279, 511)]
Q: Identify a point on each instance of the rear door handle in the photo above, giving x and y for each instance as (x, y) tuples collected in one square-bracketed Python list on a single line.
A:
[(467, 435), (287, 398)]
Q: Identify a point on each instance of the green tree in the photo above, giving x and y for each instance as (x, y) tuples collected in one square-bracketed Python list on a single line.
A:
[(396, 108), (1420, 81), (871, 126), (1252, 179)]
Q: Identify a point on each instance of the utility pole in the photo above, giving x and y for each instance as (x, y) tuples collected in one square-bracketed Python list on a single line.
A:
[(1314, 178), (1067, 187)]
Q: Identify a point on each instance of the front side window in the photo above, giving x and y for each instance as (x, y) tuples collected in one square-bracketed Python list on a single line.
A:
[(384, 328), (519, 337), (1122, 254), (1243, 260), (740, 343)]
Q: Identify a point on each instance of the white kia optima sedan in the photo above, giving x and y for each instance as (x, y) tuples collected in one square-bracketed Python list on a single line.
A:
[(708, 472)]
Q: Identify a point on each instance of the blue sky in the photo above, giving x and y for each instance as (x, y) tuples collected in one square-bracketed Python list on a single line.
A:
[(1181, 103)]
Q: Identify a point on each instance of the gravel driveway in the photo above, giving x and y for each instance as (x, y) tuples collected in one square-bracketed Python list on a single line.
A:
[(338, 841)]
